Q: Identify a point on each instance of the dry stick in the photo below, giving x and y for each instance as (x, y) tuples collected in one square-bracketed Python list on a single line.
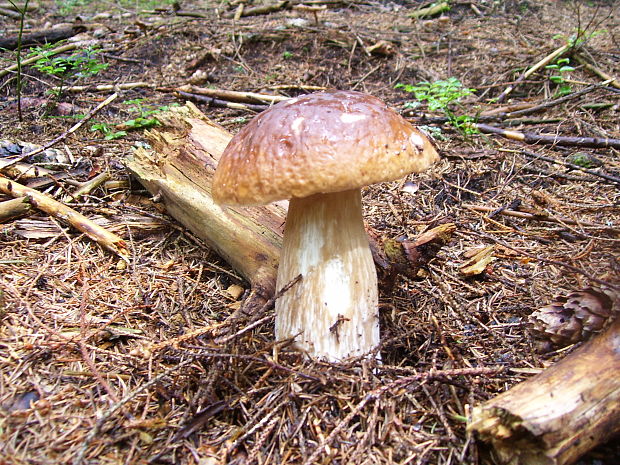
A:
[(549, 139), (66, 134), (132, 395), (537, 156), (56, 209), (233, 96), (600, 73), (552, 103), (212, 101), (539, 217), (56, 51), (549, 58), (395, 386), (105, 87), (14, 208)]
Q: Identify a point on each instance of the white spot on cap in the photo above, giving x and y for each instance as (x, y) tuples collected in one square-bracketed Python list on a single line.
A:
[(416, 141), (296, 126), (290, 101), (351, 118)]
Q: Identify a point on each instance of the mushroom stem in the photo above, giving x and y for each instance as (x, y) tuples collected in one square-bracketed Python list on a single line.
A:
[(333, 312)]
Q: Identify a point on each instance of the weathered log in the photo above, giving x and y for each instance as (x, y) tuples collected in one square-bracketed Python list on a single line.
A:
[(558, 415), (179, 167)]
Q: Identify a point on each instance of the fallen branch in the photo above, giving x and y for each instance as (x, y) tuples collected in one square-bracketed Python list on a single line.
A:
[(600, 73), (48, 36), (56, 209), (432, 10), (555, 417), (104, 87), (540, 216), (233, 96), (550, 139), (55, 51), (10, 209), (214, 102), (545, 61), (257, 10)]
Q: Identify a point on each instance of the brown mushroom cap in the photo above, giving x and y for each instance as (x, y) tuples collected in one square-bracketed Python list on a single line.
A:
[(319, 143)]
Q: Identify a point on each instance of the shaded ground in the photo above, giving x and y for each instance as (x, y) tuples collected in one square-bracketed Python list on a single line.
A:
[(79, 324)]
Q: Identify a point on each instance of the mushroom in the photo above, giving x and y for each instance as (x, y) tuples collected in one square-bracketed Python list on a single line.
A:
[(318, 150)]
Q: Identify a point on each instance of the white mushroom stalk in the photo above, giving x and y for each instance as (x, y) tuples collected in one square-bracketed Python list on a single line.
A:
[(332, 313)]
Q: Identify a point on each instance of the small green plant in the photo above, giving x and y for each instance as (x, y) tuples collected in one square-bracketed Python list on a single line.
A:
[(287, 55), (18, 54), (107, 131), (561, 67), (81, 64), (443, 95), (580, 37), (143, 120)]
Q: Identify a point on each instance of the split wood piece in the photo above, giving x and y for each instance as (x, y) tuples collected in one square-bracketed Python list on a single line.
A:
[(557, 416), (545, 61), (13, 208), (550, 139), (50, 206), (233, 96), (47, 36), (179, 169)]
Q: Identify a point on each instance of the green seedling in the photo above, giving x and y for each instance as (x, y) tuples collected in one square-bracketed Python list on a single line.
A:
[(81, 64), (143, 120), (107, 131), (287, 55), (443, 95), (561, 67)]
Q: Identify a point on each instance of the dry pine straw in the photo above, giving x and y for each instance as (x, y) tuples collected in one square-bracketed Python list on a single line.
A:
[(78, 326), (94, 365)]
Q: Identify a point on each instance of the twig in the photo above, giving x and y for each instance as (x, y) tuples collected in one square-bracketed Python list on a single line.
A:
[(537, 156), (549, 58), (552, 103), (212, 101), (56, 51), (66, 134), (549, 139), (132, 395), (539, 217), (105, 87), (600, 73), (233, 96), (58, 210)]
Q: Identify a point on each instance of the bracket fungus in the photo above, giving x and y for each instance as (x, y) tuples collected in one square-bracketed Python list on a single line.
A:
[(318, 151)]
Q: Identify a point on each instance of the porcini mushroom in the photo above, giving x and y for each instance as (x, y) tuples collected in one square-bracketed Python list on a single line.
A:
[(318, 150)]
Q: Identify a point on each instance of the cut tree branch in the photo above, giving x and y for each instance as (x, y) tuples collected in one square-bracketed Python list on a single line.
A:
[(557, 416)]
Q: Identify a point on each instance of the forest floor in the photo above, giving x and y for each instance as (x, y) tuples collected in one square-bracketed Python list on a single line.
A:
[(94, 365)]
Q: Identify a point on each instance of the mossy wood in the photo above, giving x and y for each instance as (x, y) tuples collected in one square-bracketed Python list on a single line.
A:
[(555, 417)]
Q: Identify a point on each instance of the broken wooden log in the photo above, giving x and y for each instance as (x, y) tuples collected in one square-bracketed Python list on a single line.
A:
[(179, 168), (560, 414)]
